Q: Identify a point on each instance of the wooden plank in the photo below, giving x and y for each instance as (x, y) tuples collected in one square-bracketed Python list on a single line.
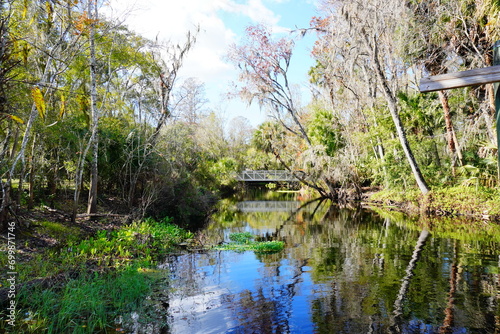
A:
[(474, 77)]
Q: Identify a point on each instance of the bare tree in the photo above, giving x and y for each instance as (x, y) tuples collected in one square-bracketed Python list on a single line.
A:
[(190, 101), (167, 61), (239, 131), (94, 138), (264, 63)]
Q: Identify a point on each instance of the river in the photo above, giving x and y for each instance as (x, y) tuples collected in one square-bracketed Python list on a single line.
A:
[(343, 270)]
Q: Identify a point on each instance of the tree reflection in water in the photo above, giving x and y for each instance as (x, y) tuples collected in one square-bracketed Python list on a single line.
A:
[(343, 271)]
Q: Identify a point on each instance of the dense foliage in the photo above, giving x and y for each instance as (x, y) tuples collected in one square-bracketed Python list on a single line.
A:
[(368, 124), (153, 140), (244, 241), (83, 99)]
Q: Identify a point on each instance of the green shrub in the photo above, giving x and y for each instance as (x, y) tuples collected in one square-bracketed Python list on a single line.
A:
[(240, 238)]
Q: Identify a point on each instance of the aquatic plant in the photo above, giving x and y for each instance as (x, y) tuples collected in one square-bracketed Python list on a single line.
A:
[(145, 240)]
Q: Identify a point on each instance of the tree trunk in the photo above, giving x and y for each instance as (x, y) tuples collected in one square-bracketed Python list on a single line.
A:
[(393, 108), (422, 184), (78, 185), (79, 179), (92, 201), (450, 137), (490, 89), (4, 207), (31, 180), (7, 186)]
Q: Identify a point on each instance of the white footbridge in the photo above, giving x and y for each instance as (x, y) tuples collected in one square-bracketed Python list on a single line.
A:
[(268, 176), (268, 206)]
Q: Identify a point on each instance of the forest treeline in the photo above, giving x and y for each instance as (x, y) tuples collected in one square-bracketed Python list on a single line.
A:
[(93, 114), (89, 107), (368, 125)]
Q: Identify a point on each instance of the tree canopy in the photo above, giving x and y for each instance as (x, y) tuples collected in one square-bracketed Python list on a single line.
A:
[(86, 101)]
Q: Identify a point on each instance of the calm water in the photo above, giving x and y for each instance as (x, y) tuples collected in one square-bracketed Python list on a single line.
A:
[(343, 271)]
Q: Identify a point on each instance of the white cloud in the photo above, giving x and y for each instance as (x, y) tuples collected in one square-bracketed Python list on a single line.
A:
[(255, 10), (171, 20)]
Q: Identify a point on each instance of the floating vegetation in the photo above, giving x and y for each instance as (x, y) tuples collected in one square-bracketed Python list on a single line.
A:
[(245, 242)]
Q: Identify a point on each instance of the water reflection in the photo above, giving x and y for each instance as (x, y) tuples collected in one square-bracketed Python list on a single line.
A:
[(343, 271)]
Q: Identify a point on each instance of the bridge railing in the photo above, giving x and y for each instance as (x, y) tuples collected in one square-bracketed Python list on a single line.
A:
[(267, 176), (268, 206)]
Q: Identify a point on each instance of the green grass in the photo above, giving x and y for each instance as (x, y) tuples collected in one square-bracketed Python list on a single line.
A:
[(61, 232), (465, 200), (244, 242), (87, 304)]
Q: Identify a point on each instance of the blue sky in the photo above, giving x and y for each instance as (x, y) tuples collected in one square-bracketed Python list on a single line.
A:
[(222, 23)]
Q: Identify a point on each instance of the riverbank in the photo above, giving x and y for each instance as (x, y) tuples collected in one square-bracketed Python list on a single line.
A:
[(474, 203), (92, 276)]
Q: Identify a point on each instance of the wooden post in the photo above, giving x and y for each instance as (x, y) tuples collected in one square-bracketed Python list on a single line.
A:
[(496, 61)]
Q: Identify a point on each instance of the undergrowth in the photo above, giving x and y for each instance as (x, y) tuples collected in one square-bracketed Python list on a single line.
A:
[(393, 196), (478, 202), (87, 304), (143, 241), (463, 200)]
